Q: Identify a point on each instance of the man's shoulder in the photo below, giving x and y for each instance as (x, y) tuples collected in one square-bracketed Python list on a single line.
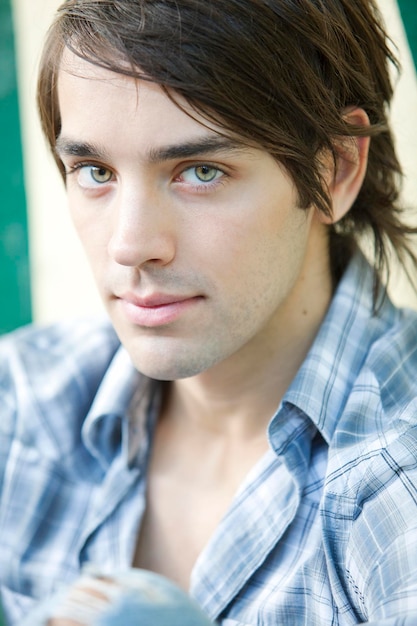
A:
[(370, 491), (63, 330), (59, 364), (49, 377), (392, 361), (377, 429), (78, 340)]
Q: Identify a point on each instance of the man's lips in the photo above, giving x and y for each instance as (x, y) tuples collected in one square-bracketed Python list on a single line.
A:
[(156, 309), (153, 300)]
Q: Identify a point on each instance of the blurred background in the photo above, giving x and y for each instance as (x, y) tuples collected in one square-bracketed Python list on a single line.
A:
[(43, 274)]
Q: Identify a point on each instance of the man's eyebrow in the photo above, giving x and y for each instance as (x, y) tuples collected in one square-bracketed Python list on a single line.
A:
[(67, 147), (188, 149), (194, 148)]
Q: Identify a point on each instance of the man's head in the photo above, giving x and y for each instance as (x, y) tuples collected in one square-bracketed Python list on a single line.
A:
[(209, 148), (281, 74)]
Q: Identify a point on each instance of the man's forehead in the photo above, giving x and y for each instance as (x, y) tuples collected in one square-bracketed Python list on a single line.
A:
[(75, 65), (79, 76)]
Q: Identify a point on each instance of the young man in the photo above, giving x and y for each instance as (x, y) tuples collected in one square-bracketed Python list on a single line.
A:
[(249, 429)]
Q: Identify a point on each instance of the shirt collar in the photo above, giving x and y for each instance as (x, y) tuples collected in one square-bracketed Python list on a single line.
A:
[(322, 385), (116, 421), (118, 414)]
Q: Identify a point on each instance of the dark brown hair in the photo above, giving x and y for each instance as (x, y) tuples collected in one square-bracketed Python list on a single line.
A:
[(278, 73)]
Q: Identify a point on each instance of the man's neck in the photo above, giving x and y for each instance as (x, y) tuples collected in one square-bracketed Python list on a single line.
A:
[(238, 396)]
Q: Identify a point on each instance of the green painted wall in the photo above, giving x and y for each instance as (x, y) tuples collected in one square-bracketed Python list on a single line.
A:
[(408, 10), (15, 308)]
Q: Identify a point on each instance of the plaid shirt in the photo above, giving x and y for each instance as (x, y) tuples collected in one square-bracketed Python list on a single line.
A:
[(322, 532)]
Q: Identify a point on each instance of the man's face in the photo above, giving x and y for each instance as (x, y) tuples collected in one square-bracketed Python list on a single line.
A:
[(197, 245)]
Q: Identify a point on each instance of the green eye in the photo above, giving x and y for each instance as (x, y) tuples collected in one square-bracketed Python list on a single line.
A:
[(100, 174), (92, 176), (203, 177), (206, 173)]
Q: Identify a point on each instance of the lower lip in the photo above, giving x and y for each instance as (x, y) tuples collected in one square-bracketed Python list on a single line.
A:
[(154, 316)]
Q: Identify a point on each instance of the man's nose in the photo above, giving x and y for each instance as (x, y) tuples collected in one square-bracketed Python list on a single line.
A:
[(142, 229)]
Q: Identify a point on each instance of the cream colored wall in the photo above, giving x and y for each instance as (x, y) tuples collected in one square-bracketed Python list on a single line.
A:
[(404, 120), (62, 285), (61, 282)]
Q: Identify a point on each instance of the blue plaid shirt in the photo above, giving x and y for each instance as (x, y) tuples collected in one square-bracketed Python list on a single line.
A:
[(322, 532)]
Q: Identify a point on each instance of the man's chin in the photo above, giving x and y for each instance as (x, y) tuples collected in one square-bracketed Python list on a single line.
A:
[(167, 366)]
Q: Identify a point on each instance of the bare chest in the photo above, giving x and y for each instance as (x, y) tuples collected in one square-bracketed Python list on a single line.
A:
[(177, 525), (192, 480)]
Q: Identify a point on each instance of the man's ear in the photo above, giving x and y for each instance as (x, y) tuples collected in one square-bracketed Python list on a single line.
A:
[(345, 179)]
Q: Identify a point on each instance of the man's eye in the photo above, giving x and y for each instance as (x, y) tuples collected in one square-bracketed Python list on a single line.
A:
[(206, 173), (201, 174), (100, 174), (93, 175)]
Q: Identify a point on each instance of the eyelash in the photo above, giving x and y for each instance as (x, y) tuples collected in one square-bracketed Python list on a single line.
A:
[(208, 185), (73, 169), (202, 187)]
